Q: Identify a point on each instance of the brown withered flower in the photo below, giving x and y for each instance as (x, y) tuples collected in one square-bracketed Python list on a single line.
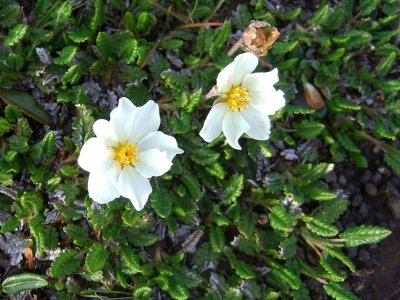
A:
[(259, 37)]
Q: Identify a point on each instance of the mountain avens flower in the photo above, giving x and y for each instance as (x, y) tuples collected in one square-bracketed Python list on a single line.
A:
[(245, 101), (126, 151)]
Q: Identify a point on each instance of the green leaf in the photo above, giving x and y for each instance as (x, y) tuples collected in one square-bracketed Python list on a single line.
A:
[(22, 282), (386, 63), (79, 34), (332, 270), (125, 46), (312, 172), (319, 193), (65, 55), (16, 34), (390, 86), (361, 235), (96, 258), (283, 47), (220, 39), (65, 264), (285, 275), (193, 100), (308, 129), (244, 270), (103, 43), (131, 261), (322, 228), (392, 158), (280, 219), (4, 126), (26, 103), (192, 185), (368, 6), (330, 211), (320, 16), (10, 14), (217, 239), (10, 224), (171, 44), (347, 143), (182, 124), (72, 75), (161, 201), (233, 188), (77, 234), (97, 19), (62, 12), (340, 256), (338, 292), (204, 156)]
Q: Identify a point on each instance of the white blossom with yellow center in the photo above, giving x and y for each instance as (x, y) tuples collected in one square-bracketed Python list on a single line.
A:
[(126, 151), (245, 101)]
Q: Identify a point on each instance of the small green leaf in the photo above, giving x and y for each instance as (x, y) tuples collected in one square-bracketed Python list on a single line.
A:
[(96, 258), (22, 282), (72, 75), (172, 44), (308, 129), (233, 188), (161, 201), (280, 219), (283, 47), (338, 292), (322, 228), (4, 126), (65, 264), (320, 16), (16, 34), (103, 42), (192, 185), (131, 261), (386, 63), (340, 256), (26, 103), (217, 239), (390, 86), (65, 55), (361, 235)]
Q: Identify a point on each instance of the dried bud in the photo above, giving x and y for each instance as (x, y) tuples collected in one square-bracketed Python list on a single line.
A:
[(313, 97), (259, 37)]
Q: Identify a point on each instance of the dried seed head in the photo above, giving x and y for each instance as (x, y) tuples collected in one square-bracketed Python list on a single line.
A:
[(313, 97), (259, 37)]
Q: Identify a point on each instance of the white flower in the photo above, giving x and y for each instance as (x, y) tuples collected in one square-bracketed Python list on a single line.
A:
[(245, 101), (126, 151)]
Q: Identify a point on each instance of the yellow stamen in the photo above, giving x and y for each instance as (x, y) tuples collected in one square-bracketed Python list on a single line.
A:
[(237, 98), (126, 153)]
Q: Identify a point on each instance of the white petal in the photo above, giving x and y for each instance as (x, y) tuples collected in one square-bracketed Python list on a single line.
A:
[(101, 185), (233, 126), (260, 125), (147, 120), (267, 102), (121, 119), (213, 125), (234, 73), (134, 186), (224, 78), (95, 155), (152, 162), (161, 141), (103, 130), (244, 64), (260, 81)]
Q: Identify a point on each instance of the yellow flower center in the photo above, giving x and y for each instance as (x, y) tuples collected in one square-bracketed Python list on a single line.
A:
[(237, 98), (126, 153)]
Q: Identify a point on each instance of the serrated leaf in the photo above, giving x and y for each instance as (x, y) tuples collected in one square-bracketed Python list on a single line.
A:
[(386, 63), (62, 12), (283, 47), (347, 143), (392, 158), (9, 14), (338, 292), (103, 42), (330, 211), (96, 258), (280, 218), (72, 75), (221, 37), (192, 185), (308, 129), (204, 157), (314, 172), (161, 201), (368, 6), (16, 34), (332, 269), (77, 234), (65, 264), (182, 124), (322, 228), (390, 86), (193, 100), (244, 270), (320, 16), (292, 279), (4, 126), (340, 256), (79, 34), (233, 188), (361, 235), (131, 261), (98, 16), (65, 55), (319, 193), (217, 239), (22, 282)]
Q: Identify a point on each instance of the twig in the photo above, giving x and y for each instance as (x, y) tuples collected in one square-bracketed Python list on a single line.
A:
[(8, 192), (199, 25), (168, 11)]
